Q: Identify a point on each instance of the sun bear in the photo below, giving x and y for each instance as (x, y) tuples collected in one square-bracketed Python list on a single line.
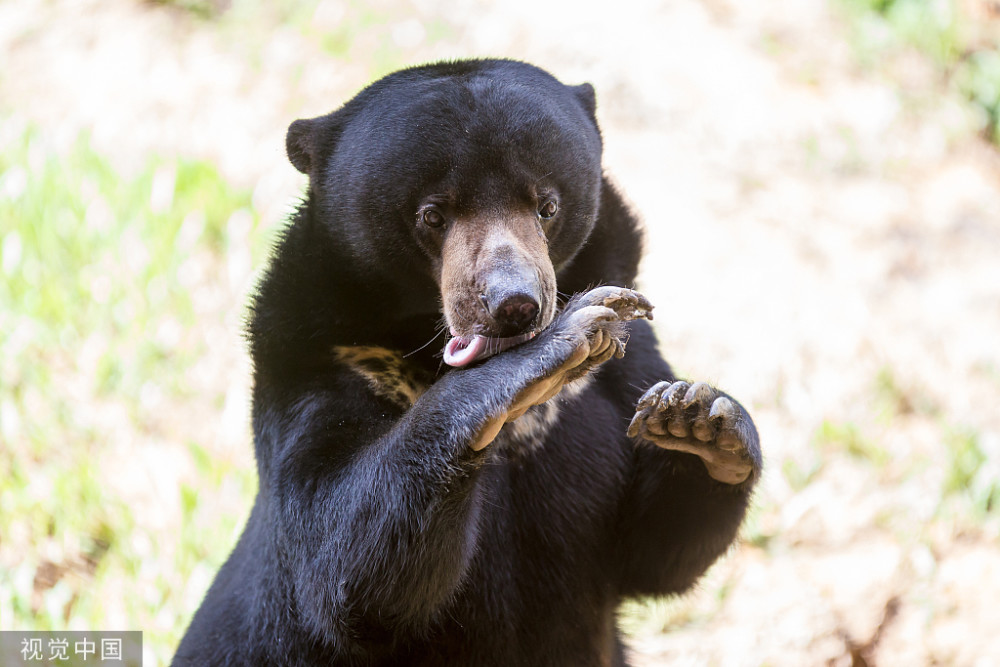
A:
[(470, 450)]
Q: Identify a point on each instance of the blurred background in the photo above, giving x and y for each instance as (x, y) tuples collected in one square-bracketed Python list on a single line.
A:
[(821, 185)]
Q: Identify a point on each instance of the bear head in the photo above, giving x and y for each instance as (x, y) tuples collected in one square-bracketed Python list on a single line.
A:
[(470, 184)]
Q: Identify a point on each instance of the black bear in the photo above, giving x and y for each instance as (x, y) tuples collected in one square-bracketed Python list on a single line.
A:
[(491, 500)]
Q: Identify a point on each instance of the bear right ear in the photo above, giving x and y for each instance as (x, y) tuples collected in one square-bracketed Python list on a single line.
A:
[(585, 95), (301, 143)]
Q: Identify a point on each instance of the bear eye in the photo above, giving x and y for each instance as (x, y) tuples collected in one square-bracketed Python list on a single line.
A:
[(432, 217), (548, 209)]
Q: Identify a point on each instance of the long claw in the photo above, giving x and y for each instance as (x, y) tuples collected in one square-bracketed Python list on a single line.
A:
[(674, 394), (635, 427), (699, 392), (652, 395), (721, 408)]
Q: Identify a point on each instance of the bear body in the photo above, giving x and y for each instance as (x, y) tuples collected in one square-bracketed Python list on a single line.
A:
[(495, 502)]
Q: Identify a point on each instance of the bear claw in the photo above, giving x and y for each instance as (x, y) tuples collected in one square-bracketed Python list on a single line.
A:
[(697, 419)]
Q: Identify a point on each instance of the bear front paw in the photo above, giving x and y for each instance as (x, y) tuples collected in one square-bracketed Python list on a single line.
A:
[(593, 325), (700, 420), (595, 322)]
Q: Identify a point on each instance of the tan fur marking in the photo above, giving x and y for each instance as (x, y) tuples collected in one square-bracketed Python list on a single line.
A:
[(576, 387), (531, 428), (527, 422), (528, 429), (473, 246), (387, 373), (488, 432), (536, 394)]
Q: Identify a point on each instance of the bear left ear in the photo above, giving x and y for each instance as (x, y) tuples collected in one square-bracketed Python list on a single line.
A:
[(585, 94), (300, 143)]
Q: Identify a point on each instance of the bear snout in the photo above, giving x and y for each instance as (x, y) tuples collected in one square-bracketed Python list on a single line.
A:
[(497, 279)]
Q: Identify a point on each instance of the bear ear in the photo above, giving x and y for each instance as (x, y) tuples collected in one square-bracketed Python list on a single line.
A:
[(301, 143), (586, 96)]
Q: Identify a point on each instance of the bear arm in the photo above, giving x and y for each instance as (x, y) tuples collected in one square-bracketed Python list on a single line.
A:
[(675, 520), (379, 503)]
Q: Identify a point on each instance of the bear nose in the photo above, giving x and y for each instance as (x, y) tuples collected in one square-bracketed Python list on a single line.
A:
[(515, 312)]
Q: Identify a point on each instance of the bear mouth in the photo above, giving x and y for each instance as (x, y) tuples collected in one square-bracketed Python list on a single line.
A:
[(464, 350)]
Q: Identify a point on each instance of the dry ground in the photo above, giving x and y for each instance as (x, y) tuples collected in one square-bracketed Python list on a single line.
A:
[(824, 243)]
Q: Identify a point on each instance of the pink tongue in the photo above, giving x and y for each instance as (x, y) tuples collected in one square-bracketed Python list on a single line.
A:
[(460, 351)]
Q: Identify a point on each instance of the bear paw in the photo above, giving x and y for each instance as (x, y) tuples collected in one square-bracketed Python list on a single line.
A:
[(593, 325), (700, 420)]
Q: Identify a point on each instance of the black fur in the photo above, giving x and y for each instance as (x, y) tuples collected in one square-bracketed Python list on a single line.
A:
[(378, 537)]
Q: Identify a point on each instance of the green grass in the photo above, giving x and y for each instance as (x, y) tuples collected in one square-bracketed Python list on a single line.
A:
[(967, 56), (848, 438), (970, 475), (93, 259), (978, 78), (800, 475), (651, 616), (97, 314)]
